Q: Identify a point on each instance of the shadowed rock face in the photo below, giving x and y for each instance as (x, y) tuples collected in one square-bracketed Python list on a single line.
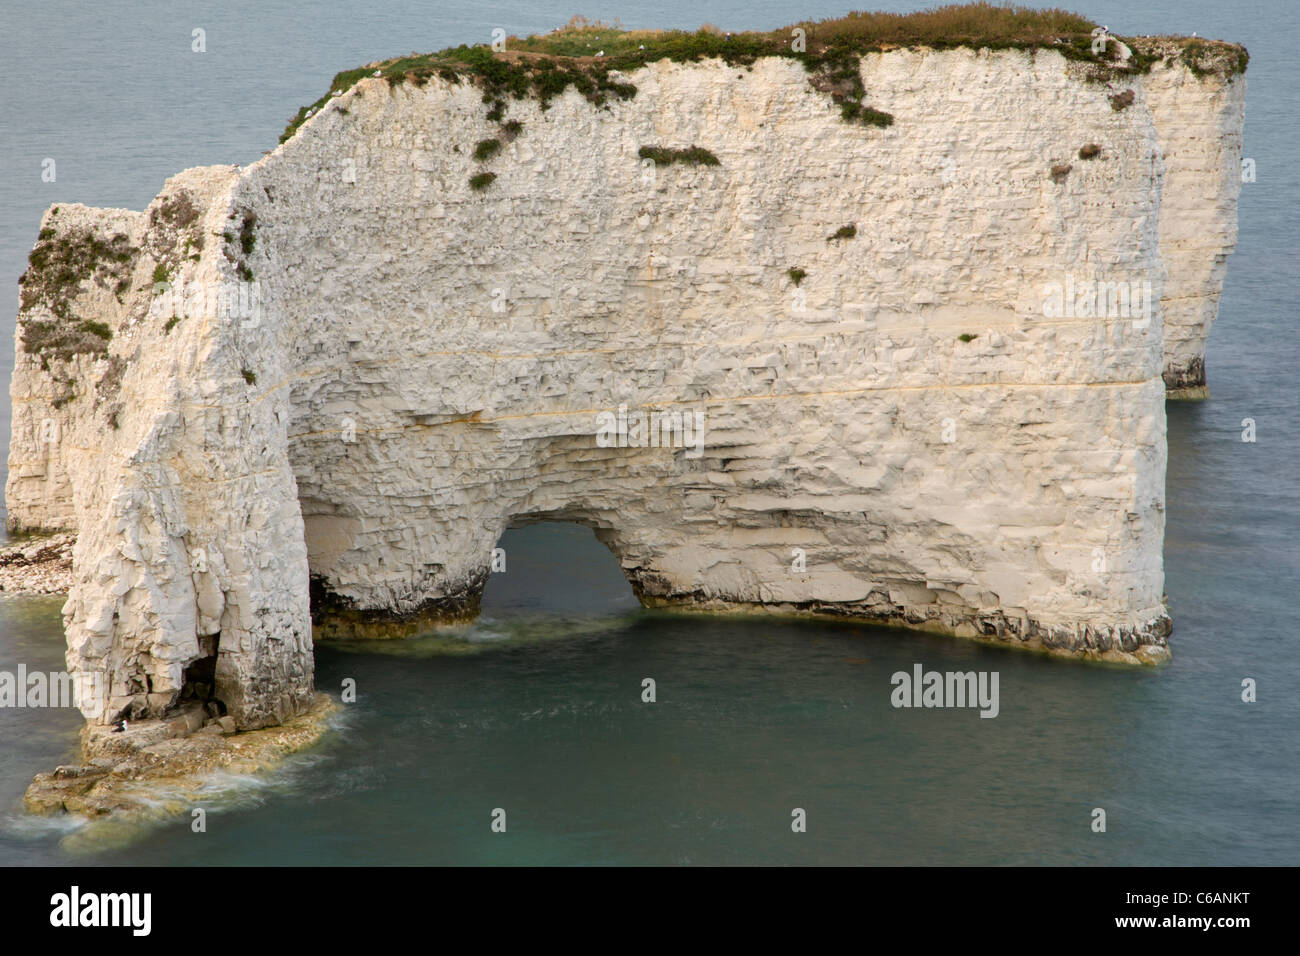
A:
[(906, 435), (1187, 377), (1198, 211)]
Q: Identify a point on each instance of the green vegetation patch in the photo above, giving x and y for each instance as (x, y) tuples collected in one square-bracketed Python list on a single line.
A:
[(796, 275), (485, 149), (691, 156), (1209, 58), (245, 239), (99, 329), (844, 232), (481, 181), (856, 112), (56, 268)]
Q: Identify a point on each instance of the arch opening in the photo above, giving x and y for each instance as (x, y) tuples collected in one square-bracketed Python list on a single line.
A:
[(555, 566)]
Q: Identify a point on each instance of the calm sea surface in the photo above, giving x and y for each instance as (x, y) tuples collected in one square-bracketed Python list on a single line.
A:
[(537, 707)]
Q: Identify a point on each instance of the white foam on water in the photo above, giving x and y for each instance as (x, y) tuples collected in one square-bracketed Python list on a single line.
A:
[(38, 826)]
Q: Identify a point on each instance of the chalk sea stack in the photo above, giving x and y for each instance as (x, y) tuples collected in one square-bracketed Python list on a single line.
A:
[(309, 395)]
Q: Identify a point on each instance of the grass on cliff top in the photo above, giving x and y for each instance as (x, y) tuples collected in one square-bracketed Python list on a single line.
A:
[(971, 24), (545, 65)]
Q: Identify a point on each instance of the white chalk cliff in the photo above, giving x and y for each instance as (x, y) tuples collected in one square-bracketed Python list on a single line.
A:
[(902, 435)]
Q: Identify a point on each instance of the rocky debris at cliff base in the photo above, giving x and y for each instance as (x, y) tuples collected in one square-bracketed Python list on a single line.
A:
[(1145, 644), (1194, 393), (41, 565), (156, 768), (37, 565)]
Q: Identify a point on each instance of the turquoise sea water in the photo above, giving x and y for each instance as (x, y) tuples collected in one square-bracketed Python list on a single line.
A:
[(537, 707)]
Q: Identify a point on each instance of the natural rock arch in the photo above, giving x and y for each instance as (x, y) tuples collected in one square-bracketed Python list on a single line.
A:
[(900, 437)]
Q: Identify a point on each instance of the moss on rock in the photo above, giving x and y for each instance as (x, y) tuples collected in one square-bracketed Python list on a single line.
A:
[(57, 267)]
